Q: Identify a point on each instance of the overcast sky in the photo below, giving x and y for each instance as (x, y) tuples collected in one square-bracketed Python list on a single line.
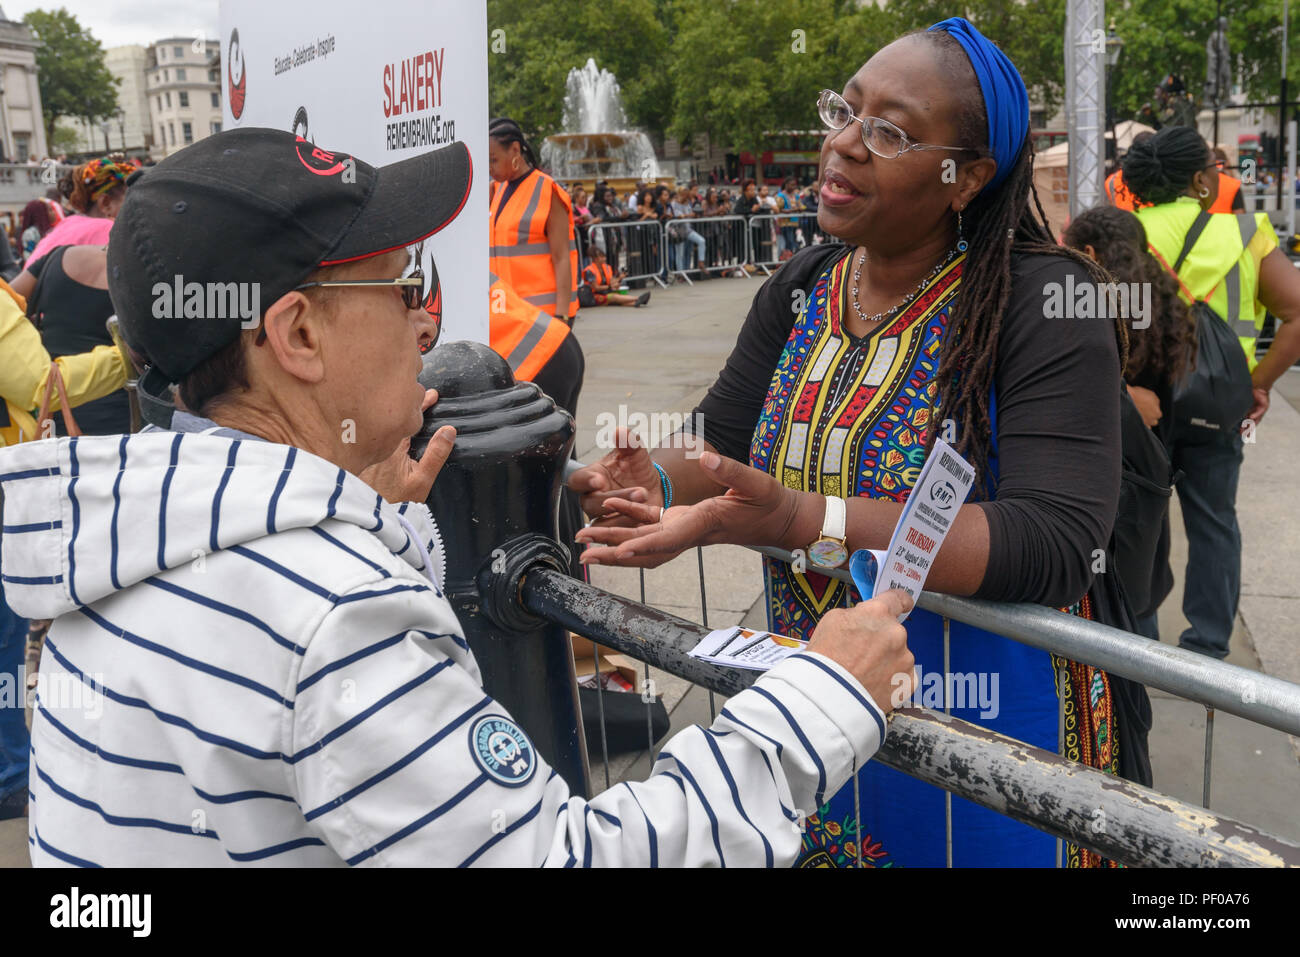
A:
[(118, 22)]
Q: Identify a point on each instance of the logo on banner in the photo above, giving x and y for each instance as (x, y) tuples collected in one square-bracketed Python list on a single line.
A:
[(503, 750), (235, 74)]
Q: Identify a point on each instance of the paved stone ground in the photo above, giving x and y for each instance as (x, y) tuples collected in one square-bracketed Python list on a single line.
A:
[(663, 357)]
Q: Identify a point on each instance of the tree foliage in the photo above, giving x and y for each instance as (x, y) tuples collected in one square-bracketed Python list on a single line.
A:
[(541, 40), (70, 69), (751, 66), (65, 139), (737, 68), (1169, 36)]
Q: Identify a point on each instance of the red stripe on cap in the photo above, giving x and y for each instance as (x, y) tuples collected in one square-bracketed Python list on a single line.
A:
[(443, 225)]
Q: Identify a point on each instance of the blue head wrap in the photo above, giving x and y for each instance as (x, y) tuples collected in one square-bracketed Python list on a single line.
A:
[(1005, 99)]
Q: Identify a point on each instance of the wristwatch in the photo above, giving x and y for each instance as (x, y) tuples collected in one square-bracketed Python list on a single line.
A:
[(829, 551)]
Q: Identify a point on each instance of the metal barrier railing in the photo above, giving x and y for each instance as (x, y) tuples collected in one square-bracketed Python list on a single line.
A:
[(726, 245), (1248, 694), (511, 589), (1216, 685), (636, 246), (773, 234), (1046, 791)]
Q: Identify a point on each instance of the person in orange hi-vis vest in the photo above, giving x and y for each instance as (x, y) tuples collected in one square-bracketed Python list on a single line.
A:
[(600, 279), (1117, 192), (543, 350), (538, 347), (534, 247)]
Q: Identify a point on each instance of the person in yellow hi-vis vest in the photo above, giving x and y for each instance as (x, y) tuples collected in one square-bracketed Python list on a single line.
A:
[(25, 368), (534, 246), (1233, 263)]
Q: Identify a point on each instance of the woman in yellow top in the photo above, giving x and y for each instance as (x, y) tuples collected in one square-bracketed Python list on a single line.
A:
[(1235, 266), (534, 246), (24, 371)]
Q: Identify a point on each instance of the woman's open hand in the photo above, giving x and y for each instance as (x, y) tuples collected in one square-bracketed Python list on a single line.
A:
[(626, 473), (756, 510)]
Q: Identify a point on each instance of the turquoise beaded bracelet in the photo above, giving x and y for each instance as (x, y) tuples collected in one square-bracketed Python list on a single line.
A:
[(665, 484)]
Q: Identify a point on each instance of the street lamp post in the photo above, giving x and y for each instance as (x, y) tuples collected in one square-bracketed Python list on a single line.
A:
[(121, 126), (1114, 48), (1218, 17)]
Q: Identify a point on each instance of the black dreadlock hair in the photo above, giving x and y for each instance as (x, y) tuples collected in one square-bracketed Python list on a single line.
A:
[(998, 223), (1159, 169), (506, 131), (1166, 349)]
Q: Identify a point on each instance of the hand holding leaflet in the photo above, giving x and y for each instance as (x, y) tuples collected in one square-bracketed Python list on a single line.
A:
[(940, 490), (938, 495)]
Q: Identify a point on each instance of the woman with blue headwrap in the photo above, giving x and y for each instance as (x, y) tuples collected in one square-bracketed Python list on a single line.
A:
[(929, 319)]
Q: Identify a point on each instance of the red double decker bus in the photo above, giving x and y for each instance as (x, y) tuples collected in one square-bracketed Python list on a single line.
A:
[(785, 153)]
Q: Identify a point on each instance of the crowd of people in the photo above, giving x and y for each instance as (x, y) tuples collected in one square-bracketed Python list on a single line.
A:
[(698, 250), (920, 312)]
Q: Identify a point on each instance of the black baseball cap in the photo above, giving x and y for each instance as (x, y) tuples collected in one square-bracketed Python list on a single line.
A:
[(260, 206)]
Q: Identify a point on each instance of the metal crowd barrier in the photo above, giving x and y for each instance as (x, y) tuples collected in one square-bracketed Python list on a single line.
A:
[(509, 581), (637, 246), (770, 239), (1142, 827), (726, 245)]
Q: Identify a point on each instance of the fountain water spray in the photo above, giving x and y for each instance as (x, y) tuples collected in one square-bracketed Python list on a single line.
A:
[(596, 143)]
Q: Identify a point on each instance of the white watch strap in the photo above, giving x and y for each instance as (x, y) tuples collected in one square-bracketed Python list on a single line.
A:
[(836, 516)]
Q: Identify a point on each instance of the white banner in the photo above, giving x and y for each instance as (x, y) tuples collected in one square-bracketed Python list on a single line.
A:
[(383, 81)]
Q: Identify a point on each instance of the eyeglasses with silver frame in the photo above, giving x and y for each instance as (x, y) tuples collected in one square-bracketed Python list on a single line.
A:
[(413, 291), (882, 137)]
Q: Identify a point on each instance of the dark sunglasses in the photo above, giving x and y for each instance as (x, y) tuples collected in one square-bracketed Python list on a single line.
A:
[(415, 292)]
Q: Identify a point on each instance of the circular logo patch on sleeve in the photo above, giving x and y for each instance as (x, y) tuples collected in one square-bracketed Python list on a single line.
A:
[(502, 750)]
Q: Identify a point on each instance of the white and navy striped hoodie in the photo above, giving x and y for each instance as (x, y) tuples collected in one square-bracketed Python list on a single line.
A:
[(252, 665)]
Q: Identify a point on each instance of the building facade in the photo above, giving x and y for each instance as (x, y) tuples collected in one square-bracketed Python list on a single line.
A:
[(183, 91), (131, 130), (22, 128)]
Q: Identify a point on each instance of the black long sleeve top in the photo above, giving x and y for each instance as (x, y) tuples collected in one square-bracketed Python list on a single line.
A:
[(1057, 383)]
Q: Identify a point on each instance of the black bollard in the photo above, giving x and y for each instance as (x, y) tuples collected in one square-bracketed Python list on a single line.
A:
[(495, 503)]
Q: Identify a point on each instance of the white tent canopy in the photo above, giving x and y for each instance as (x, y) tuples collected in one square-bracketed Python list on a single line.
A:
[(1059, 155)]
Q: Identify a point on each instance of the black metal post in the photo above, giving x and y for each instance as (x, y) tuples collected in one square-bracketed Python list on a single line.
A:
[(1281, 139), (495, 503)]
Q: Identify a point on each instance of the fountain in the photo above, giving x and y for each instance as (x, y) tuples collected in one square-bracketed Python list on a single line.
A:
[(596, 143)]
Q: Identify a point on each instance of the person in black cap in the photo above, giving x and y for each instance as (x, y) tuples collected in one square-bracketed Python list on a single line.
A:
[(271, 673)]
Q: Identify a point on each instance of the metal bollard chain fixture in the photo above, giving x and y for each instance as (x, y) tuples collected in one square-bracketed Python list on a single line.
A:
[(495, 504)]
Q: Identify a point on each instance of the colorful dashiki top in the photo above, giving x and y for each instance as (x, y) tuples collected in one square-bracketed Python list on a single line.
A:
[(849, 416)]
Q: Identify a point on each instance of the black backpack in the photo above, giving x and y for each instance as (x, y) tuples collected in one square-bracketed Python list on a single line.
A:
[(1215, 396)]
